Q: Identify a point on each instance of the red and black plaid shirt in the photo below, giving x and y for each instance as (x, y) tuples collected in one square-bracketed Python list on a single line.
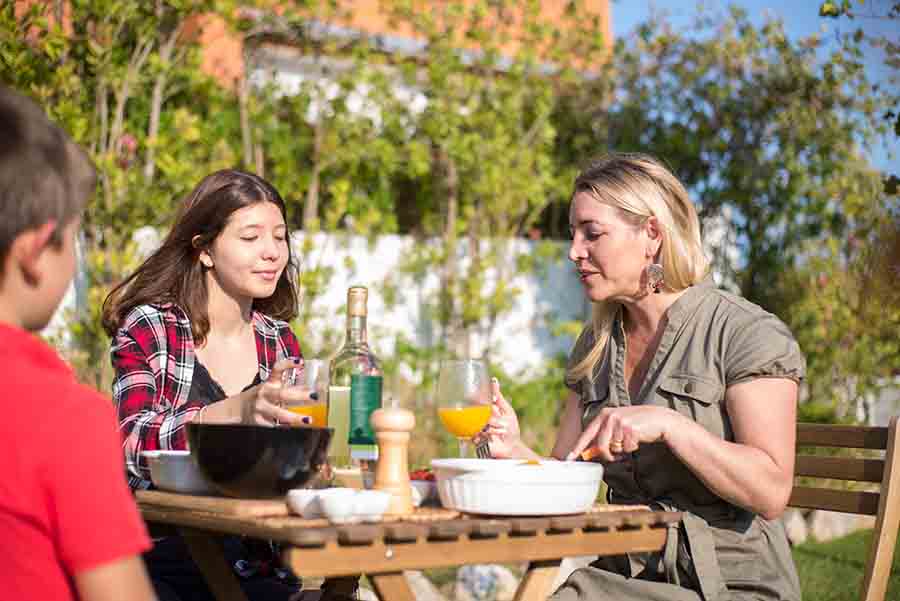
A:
[(153, 357)]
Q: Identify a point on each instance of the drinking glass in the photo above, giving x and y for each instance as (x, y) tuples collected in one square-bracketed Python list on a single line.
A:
[(463, 399), (313, 376)]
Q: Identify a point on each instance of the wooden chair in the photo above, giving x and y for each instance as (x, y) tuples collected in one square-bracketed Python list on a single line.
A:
[(884, 504)]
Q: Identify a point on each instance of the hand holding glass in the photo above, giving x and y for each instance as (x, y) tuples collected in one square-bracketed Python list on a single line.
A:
[(313, 376), (463, 398)]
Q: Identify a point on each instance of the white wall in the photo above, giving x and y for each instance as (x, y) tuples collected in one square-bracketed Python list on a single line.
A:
[(521, 340)]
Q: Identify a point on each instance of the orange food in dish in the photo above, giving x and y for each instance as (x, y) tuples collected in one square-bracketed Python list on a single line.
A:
[(589, 453)]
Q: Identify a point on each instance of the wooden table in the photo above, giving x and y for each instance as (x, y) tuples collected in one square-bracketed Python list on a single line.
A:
[(430, 538)]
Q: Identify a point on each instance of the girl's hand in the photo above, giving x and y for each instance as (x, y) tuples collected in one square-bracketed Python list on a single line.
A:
[(264, 403), (617, 431), (502, 431)]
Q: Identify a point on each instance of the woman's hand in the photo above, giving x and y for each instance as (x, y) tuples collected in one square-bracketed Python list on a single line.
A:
[(264, 403), (502, 431), (616, 431)]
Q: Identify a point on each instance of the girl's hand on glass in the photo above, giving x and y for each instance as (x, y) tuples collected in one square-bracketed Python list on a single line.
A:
[(264, 403), (502, 430)]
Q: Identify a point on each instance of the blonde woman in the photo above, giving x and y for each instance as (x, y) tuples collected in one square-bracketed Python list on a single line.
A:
[(686, 393)]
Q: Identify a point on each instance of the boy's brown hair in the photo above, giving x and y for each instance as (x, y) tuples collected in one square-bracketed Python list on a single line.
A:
[(44, 176)]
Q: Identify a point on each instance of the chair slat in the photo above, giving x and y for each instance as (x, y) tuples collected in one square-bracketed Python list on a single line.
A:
[(840, 468), (829, 435), (829, 499)]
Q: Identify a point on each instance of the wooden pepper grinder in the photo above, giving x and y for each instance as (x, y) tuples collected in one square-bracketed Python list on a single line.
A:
[(392, 427)]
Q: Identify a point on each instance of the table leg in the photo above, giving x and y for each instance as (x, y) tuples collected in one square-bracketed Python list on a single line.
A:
[(538, 579), (392, 586), (207, 554)]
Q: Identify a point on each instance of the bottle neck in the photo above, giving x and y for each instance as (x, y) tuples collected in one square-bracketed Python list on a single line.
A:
[(356, 330)]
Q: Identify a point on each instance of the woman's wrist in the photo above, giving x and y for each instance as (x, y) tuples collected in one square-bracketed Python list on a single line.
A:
[(523, 451)]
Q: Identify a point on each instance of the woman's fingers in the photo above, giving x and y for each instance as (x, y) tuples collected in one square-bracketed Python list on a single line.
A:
[(597, 435), (279, 369), (584, 441), (277, 416), (295, 395), (630, 439), (500, 402), (616, 438)]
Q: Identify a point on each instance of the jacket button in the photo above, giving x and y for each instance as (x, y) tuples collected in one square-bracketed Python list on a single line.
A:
[(689, 387)]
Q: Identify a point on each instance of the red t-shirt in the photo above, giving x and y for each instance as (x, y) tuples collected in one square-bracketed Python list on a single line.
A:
[(64, 503)]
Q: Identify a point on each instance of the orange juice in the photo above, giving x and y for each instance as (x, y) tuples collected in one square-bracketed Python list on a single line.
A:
[(318, 413), (465, 422)]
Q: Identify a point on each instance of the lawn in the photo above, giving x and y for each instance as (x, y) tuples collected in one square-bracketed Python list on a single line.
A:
[(833, 571), (829, 571)]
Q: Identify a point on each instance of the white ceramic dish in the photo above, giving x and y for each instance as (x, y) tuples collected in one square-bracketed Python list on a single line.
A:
[(339, 505), (176, 471), (517, 487), (304, 502)]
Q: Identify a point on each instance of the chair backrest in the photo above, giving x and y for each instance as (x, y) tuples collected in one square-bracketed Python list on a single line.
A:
[(884, 504)]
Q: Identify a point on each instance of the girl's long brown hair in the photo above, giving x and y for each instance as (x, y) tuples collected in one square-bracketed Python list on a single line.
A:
[(173, 273)]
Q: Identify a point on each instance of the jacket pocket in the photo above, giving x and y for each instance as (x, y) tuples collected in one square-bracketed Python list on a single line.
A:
[(695, 397), (740, 556)]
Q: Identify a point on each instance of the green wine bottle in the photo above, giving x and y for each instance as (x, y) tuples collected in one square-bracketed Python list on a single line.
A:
[(354, 390)]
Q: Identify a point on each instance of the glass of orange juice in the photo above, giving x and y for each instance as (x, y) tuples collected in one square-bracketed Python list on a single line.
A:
[(463, 399), (312, 375)]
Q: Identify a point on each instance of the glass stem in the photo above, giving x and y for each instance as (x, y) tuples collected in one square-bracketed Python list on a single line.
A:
[(463, 447)]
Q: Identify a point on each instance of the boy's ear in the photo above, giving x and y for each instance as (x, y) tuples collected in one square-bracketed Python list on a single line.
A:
[(27, 248)]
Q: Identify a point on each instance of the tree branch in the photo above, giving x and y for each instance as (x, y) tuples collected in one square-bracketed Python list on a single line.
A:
[(166, 49)]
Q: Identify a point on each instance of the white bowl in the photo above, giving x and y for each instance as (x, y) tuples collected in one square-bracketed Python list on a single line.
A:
[(338, 505), (517, 487), (176, 471), (370, 505), (304, 502)]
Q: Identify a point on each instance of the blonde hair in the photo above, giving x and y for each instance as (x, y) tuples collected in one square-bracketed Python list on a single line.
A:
[(640, 187)]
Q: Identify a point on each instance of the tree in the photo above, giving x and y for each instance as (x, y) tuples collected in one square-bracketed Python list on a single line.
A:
[(121, 78), (771, 140)]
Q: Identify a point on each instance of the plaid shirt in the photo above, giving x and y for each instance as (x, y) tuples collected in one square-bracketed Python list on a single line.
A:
[(153, 357)]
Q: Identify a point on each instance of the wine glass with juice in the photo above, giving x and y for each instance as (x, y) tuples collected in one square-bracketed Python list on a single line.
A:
[(313, 376), (463, 398)]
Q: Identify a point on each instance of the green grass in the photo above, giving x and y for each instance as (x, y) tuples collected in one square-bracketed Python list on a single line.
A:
[(833, 571), (829, 571)]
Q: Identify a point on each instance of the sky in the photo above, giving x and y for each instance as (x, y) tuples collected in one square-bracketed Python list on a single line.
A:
[(801, 19)]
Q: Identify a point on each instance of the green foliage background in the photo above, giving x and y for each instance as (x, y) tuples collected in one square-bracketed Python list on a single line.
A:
[(770, 134)]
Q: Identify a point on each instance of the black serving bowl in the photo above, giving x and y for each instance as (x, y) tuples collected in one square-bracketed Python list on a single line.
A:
[(258, 461)]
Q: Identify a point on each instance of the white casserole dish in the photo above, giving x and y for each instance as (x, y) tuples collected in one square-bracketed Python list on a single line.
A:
[(176, 471), (517, 487)]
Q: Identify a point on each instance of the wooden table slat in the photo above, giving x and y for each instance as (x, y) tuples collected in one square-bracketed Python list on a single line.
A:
[(489, 528), (605, 520), (404, 532), (449, 530), (314, 537), (219, 505), (567, 523), (359, 534), (425, 554), (528, 525)]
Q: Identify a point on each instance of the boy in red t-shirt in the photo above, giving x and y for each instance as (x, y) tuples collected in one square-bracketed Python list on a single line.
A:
[(69, 528)]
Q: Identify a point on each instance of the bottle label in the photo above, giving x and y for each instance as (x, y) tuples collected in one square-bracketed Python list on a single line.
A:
[(365, 398)]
